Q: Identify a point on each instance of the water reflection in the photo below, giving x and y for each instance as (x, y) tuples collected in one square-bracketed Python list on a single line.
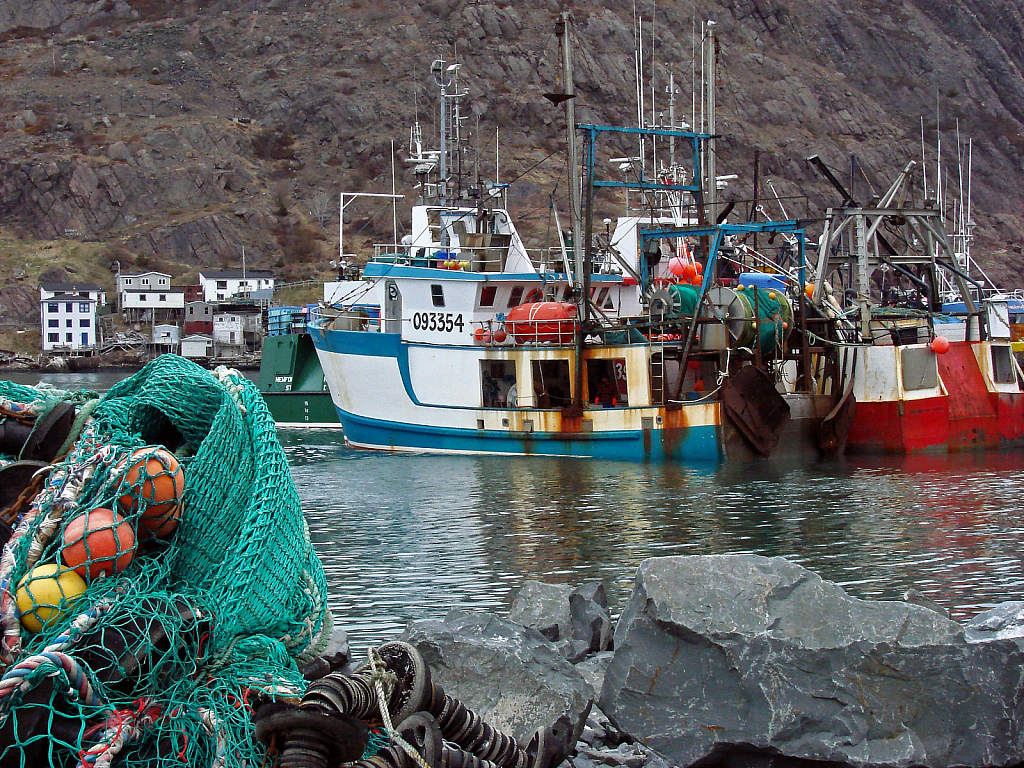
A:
[(405, 537)]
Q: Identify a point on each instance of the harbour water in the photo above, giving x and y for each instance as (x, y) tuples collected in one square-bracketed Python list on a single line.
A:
[(407, 537)]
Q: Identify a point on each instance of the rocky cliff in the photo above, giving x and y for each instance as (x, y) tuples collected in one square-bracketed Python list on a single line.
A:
[(179, 132)]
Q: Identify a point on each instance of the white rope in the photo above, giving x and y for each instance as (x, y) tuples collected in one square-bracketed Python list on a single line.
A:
[(230, 379), (380, 674)]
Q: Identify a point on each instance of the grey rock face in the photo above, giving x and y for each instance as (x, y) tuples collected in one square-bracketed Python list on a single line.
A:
[(510, 675), (1004, 622), (544, 607), (576, 618), (737, 652)]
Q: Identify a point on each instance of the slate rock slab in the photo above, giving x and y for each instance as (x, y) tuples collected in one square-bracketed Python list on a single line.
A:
[(574, 617), (743, 653), (510, 675)]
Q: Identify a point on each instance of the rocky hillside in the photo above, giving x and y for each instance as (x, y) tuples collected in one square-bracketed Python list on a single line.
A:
[(173, 133)]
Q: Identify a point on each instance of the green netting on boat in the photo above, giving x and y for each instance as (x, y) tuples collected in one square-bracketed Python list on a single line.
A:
[(161, 582), (773, 314), (684, 300)]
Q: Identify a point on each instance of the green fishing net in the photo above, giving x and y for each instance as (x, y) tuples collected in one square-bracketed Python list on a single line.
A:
[(161, 583)]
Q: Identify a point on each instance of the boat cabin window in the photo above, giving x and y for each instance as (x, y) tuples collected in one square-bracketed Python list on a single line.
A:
[(1002, 365), (498, 384), (516, 297), (551, 387), (602, 298), (487, 294), (606, 383), (437, 295)]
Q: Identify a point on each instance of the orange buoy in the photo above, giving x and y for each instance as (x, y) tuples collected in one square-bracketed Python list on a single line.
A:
[(156, 483), (940, 345), (499, 336), (97, 543)]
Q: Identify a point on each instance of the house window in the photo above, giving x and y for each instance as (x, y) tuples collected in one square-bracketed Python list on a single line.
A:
[(70, 307), (145, 281), (83, 307), (84, 322), (53, 323), (191, 310), (52, 307), (163, 297), (437, 295), (163, 281), (70, 337), (142, 297), (222, 285), (68, 322), (53, 337)]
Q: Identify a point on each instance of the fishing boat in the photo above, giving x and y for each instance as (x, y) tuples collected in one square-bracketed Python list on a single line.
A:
[(677, 348), (928, 346), (290, 379)]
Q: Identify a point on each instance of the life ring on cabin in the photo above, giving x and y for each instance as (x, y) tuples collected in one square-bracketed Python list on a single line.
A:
[(542, 322), (534, 296)]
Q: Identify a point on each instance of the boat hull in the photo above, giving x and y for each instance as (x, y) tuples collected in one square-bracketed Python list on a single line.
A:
[(395, 396), (967, 409), (294, 410), (292, 383)]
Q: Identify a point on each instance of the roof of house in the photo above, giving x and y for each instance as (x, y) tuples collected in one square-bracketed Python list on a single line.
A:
[(143, 274), (68, 297), (153, 290), (70, 287), (198, 337), (235, 274)]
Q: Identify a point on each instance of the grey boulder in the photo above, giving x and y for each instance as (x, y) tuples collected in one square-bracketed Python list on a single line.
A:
[(575, 618), (508, 674), (724, 655)]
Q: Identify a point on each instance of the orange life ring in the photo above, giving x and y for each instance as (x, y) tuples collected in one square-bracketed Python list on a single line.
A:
[(533, 296)]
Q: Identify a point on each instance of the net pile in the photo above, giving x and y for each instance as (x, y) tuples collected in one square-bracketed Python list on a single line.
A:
[(160, 584)]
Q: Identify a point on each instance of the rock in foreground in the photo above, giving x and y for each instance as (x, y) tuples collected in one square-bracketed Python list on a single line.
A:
[(510, 675), (727, 653)]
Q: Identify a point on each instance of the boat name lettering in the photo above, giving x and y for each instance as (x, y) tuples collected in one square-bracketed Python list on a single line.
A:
[(445, 322), (282, 379)]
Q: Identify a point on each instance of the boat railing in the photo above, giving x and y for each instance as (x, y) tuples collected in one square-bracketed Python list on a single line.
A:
[(465, 257)]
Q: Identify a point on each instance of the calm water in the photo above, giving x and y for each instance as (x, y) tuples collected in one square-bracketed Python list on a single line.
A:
[(406, 537)]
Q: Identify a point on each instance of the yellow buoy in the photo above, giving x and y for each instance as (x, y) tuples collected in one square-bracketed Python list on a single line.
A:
[(46, 593)]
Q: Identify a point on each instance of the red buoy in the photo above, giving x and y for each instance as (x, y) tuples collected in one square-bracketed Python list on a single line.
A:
[(940, 345), (542, 321)]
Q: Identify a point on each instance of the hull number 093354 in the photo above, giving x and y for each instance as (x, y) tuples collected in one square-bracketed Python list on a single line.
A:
[(445, 322)]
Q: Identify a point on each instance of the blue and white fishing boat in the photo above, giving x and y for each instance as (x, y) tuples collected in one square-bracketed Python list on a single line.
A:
[(461, 341)]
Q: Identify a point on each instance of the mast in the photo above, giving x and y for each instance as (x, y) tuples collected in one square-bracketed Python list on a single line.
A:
[(579, 248), (562, 28), (711, 183)]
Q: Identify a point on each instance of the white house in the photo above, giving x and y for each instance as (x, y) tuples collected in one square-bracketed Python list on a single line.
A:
[(68, 322), (88, 290), (152, 304), (228, 337), (141, 281), (197, 345), (223, 284)]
